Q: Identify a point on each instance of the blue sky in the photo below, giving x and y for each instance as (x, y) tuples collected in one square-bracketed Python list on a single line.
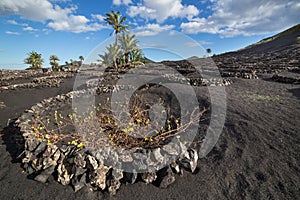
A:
[(69, 29)]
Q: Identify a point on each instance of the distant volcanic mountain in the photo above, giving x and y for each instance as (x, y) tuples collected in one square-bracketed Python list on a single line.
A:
[(275, 54), (271, 55), (286, 40)]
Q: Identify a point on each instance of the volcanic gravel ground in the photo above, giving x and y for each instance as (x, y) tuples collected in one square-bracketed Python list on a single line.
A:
[(256, 157)]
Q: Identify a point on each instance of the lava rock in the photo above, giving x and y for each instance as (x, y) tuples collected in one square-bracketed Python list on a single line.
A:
[(157, 155), (166, 177), (175, 166), (130, 177), (79, 182), (92, 162), (42, 146), (117, 174), (31, 144), (114, 185), (171, 149), (190, 160), (64, 176), (98, 178), (149, 177), (44, 175)]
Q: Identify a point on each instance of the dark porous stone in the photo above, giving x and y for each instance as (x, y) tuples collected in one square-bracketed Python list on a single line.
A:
[(50, 150), (125, 158), (78, 171), (31, 144), (37, 164), (172, 149), (42, 178), (130, 177), (42, 146), (92, 162), (99, 176), (117, 174), (157, 155), (176, 167), (44, 175), (65, 149), (64, 176), (166, 177), (190, 160), (149, 177), (114, 185), (79, 160), (28, 168), (79, 182)]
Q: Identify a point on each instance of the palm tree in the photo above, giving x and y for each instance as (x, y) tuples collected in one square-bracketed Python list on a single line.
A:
[(111, 56), (105, 59), (81, 59), (53, 62), (34, 59), (73, 63), (116, 21), (128, 43), (208, 51), (136, 57)]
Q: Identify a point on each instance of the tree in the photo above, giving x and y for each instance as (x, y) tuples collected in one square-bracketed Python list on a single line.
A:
[(111, 56), (136, 57), (105, 59), (81, 59), (73, 63), (128, 42), (116, 21), (34, 59), (53, 62)]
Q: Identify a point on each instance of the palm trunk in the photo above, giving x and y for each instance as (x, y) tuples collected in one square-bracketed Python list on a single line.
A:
[(126, 58), (116, 42), (115, 63)]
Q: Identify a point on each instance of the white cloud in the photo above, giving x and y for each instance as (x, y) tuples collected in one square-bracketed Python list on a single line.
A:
[(205, 42), (76, 24), (173, 32), (33, 10), (199, 25), (191, 44), (142, 11), (60, 19), (154, 45), (248, 17), (28, 28), (99, 17), (14, 22), (160, 10), (12, 33), (60, 1), (120, 2), (196, 44), (46, 31), (152, 29)]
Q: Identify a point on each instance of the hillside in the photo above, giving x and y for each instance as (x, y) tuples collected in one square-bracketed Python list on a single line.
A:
[(286, 40), (275, 54)]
